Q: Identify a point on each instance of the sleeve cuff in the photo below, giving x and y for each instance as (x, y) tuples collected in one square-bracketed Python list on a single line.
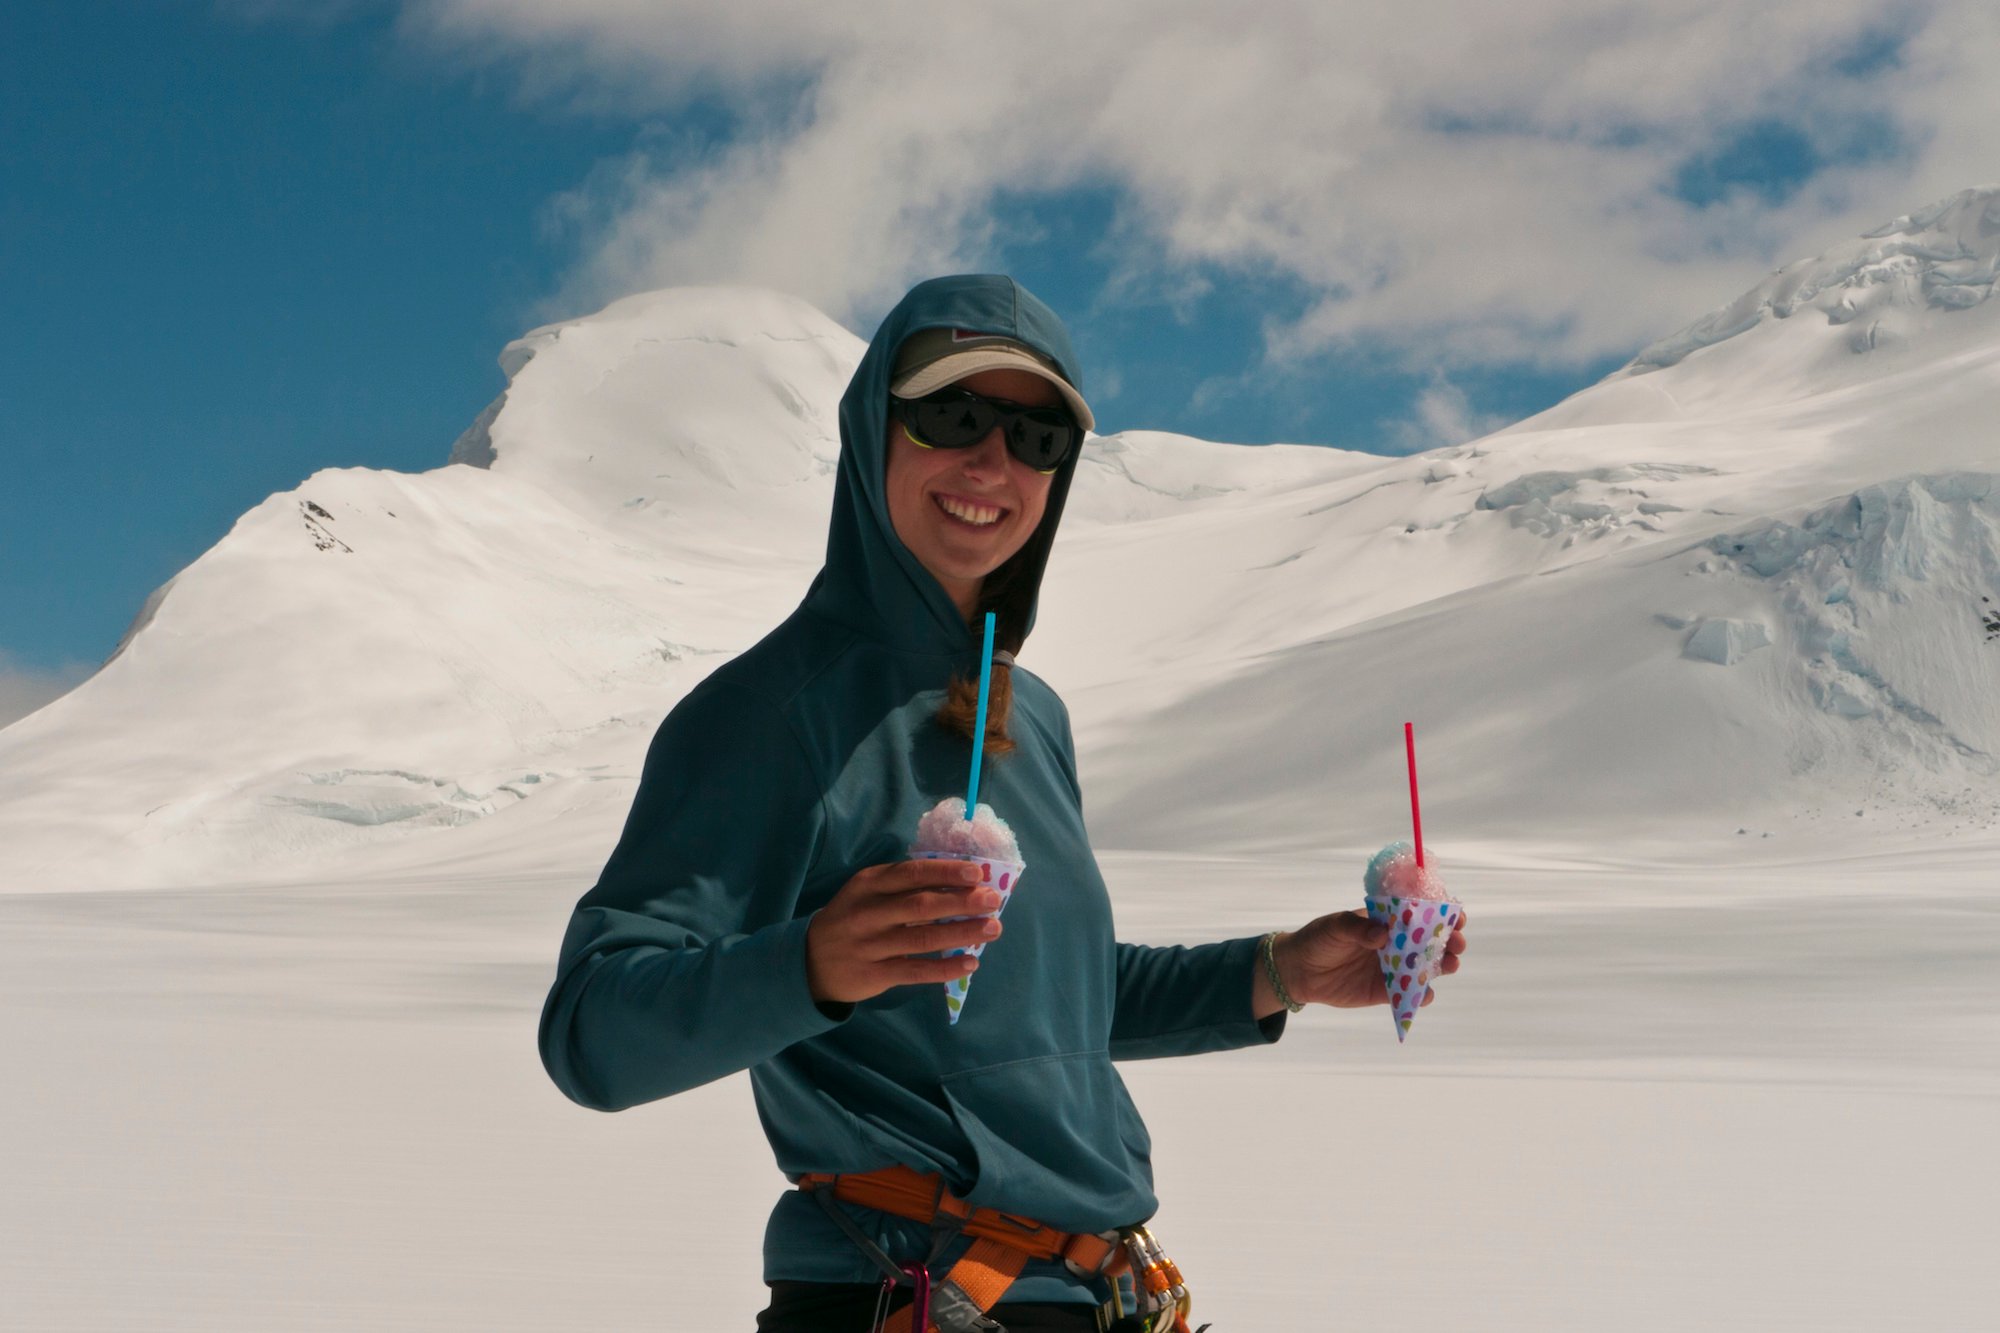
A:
[(790, 1002)]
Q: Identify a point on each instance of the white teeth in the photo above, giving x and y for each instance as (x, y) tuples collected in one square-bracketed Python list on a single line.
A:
[(971, 513)]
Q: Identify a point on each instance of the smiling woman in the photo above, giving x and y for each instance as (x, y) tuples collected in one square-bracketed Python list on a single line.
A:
[(764, 909), (980, 427), (961, 498), (963, 512)]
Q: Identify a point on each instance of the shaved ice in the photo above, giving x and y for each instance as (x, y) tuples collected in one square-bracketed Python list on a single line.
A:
[(1394, 873), (944, 833), (1411, 901), (945, 830)]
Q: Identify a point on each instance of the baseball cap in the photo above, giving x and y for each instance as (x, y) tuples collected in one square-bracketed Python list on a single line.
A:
[(929, 359)]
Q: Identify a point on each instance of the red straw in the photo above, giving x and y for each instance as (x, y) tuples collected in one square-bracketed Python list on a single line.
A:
[(1416, 817)]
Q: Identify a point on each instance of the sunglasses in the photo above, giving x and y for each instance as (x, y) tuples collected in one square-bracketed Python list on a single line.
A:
[(953, 418)]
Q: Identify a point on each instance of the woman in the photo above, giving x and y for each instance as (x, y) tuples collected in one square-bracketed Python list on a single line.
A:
[(759, 911)]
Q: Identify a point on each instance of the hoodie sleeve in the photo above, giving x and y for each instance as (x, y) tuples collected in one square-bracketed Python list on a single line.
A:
[(1177, 1000), (1183, 1000), (686, 963)]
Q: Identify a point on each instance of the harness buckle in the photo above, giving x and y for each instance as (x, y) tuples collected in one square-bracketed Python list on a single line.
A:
[(1111, 1259)]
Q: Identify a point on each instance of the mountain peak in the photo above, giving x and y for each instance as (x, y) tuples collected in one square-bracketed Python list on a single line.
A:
[(1881, 289)]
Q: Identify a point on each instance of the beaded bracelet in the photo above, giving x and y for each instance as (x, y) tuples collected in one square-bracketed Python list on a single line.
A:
[(1267, 949)]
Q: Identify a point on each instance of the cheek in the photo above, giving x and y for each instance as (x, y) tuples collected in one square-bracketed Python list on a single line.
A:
[(903, 482), (1035, 499)]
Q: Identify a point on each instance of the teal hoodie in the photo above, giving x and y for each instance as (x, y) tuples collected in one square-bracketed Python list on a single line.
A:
[(812, 756)]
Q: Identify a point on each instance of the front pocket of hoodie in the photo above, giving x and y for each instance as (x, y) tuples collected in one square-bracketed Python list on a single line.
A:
[(1056, 1138)]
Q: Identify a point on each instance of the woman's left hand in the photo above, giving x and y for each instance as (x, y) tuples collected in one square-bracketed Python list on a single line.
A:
[(1332, 961)]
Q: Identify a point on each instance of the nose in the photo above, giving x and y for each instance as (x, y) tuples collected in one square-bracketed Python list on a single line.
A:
[(989, 456)]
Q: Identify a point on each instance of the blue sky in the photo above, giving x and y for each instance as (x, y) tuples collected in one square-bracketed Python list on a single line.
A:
[(233, 254), (243, 241)]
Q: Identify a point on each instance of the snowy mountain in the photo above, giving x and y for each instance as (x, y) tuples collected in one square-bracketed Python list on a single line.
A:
[(1892, 287), (1749, 580), (1752, 580)]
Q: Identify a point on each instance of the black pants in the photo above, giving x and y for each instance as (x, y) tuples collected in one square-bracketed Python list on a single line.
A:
[(843, 1307)]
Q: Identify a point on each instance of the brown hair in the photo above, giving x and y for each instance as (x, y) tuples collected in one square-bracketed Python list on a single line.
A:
[(959, 713)]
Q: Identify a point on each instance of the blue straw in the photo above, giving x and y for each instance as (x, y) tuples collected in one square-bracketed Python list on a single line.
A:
[(979, 727)]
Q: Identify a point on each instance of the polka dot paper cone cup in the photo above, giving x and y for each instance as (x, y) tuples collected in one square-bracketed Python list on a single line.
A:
[(1419, 928), (995, 874)]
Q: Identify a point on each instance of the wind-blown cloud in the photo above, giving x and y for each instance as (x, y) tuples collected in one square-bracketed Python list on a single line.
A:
[(1442, 415), (1451, 183), (24, 689)]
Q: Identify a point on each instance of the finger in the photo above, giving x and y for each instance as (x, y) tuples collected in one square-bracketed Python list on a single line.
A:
[(935, 936), (895, 877), (921, 905), (892, 919), (915, 971), (902, 876)]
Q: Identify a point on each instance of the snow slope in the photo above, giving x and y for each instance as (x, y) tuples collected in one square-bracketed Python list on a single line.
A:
[(1749, 580), (376, 657), (1898, 285)]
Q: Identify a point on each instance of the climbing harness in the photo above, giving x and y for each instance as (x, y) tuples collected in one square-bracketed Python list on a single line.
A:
[(1002, 1245)]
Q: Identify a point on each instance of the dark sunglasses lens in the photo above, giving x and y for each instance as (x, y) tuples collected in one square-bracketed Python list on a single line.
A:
[(952, 423), (1041, 440)]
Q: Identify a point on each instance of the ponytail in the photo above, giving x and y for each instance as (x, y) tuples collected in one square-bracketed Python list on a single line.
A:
[(960, 713)]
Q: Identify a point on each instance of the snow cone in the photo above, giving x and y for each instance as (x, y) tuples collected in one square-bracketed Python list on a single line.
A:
[(945, 834), (1410, 899)]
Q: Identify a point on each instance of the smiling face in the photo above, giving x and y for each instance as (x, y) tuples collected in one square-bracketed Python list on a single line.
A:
[(964, 512)]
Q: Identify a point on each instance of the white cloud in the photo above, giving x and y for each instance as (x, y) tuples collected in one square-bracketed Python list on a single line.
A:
[(24, 689), (1450, 182), (1442, 416)]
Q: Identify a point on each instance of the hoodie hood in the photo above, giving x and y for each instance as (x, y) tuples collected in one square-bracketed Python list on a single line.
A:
[(871, 582)]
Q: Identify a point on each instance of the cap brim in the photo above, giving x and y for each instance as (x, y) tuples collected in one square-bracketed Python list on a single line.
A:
[(955, 367)]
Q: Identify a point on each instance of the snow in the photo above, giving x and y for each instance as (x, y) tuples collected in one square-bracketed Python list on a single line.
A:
[(1656, 1102), (1727, 642), (1705, 667), (1882, 286)]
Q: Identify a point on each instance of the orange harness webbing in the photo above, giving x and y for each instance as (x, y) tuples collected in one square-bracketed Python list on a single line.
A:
[(1002, 1242), (983, 1273)]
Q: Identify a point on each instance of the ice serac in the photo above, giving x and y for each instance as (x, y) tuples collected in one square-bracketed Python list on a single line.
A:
[(1726, 642), (474, 446), (1893, 591), (1901, 281)]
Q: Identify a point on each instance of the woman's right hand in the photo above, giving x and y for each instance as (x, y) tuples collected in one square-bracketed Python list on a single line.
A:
[(870, 936)]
